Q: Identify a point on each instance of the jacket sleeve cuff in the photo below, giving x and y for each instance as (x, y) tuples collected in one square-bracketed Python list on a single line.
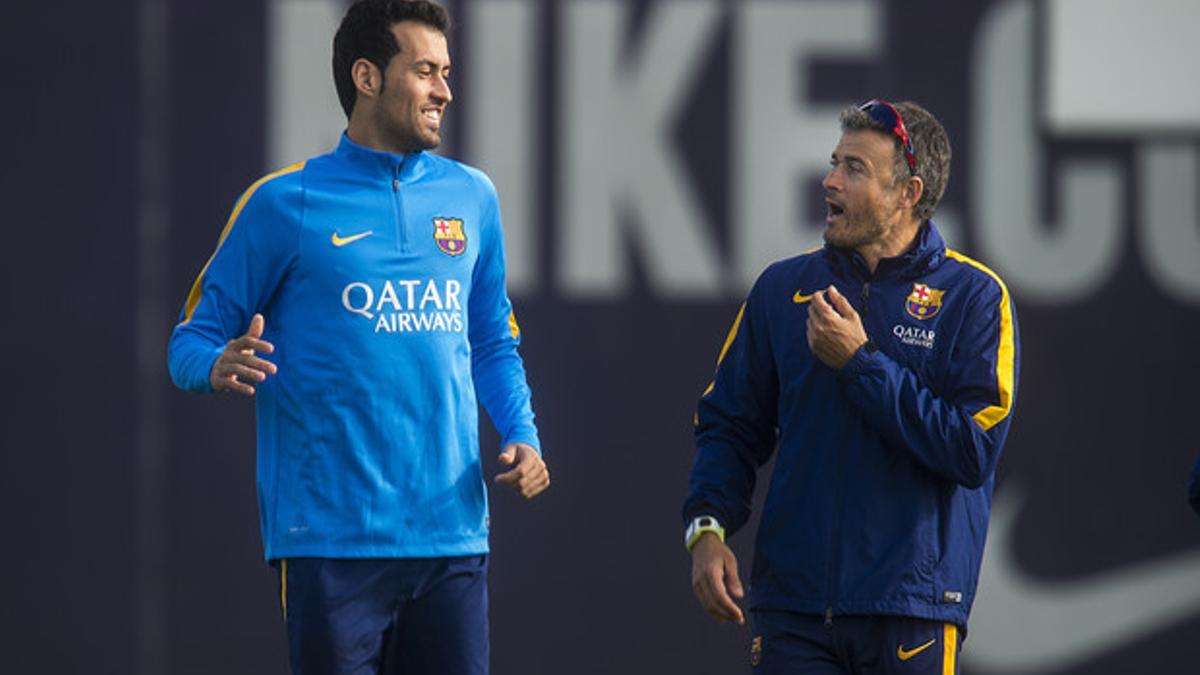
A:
[(529, 438), (859, 363), (190, 368), (705, 509)]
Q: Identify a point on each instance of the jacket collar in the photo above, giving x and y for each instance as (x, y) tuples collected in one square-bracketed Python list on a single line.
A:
[(926, 254), (389, 165)]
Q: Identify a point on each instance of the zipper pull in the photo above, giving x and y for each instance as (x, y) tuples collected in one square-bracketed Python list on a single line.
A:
[(829, 617), (864, 295), (395, 185)]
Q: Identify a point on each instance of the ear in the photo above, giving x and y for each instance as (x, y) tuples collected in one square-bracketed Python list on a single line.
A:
[(914, 187), (367, 78)]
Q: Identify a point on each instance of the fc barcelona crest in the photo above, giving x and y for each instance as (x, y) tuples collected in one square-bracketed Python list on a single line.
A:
[(924, 302), (449, 236)]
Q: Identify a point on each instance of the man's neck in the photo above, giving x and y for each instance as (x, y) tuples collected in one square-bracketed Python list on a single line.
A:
[(368, 136), (897, 242)]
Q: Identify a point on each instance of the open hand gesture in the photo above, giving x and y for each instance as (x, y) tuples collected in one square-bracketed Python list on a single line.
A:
[(237, 369)]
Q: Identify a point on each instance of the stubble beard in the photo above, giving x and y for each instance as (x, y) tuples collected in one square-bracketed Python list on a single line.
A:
[(424, 139), (854, 234), (412, 138)]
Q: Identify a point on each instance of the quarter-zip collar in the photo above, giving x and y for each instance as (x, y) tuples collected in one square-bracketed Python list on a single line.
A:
[(925, 255), (387, 165)]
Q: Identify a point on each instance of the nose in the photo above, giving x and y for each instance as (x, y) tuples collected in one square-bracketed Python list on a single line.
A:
[(830, 182), (441, 90)]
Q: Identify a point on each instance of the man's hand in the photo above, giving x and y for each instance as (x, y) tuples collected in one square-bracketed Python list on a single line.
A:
[(237, 367), (835, 330), (529, 476), (715, 579)]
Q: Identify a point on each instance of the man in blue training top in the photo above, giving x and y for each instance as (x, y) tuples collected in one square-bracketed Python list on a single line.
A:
[(884, 368), (360, 298)]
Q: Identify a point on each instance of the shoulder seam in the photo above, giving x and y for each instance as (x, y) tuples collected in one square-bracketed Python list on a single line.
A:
[(971, 262), (487, 191), (193, 298)]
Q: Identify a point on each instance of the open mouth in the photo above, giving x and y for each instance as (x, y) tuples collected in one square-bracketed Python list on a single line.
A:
[(433, 115), (834, 210)]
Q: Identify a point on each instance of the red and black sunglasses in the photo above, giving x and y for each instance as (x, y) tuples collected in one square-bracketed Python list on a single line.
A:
[(884, 114)]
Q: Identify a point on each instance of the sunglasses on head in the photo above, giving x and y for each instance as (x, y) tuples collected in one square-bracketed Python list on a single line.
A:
[(883, 113)]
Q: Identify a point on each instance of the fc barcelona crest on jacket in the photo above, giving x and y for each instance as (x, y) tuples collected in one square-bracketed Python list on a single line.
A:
[(449, 236), (924, 302)]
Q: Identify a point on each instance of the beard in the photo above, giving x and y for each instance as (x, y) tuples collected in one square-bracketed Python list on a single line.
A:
[(425, 139), (411, 137), (854, 231)]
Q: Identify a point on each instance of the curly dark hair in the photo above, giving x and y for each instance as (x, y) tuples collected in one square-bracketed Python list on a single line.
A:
[(930, 146), (366, 33)]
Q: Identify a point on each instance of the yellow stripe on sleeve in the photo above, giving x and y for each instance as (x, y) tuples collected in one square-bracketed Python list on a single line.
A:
[(193, 298), (949, 649), (733, 331), (1005, 353), (513, 327)]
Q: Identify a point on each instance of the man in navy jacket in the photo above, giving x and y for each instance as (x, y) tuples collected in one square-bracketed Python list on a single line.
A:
[(884, 368)]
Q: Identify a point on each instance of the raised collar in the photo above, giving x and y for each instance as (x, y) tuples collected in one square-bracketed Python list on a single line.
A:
[(926, 254), (390, 165)]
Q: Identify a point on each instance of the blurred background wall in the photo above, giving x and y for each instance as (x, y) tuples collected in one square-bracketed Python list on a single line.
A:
[(652, 157)]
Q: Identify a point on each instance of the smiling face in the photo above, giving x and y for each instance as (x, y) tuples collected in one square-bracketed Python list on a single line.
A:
[(865, 207), (415, 90)]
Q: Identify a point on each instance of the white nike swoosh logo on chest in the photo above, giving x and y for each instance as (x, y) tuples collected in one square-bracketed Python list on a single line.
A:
[(1020, 624)]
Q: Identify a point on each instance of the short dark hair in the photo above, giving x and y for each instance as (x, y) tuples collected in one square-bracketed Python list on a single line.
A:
[(930, 146), (366, 33)]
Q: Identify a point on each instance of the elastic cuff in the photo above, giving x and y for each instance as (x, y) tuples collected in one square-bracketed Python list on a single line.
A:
[(531, 441), (859, 362)]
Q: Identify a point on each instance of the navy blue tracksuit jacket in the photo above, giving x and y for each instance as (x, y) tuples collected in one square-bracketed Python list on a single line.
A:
[(880, 495)]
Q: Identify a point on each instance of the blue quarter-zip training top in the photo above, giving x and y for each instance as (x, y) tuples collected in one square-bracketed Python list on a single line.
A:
[(880, 495), (381, 280)]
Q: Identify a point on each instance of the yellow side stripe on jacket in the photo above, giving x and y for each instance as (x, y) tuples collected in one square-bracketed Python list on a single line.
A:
[(193, 298), (733, 331), (1006, 352)]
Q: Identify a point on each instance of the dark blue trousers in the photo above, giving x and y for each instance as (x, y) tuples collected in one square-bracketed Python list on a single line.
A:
[(787, 643), (404, 616)]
